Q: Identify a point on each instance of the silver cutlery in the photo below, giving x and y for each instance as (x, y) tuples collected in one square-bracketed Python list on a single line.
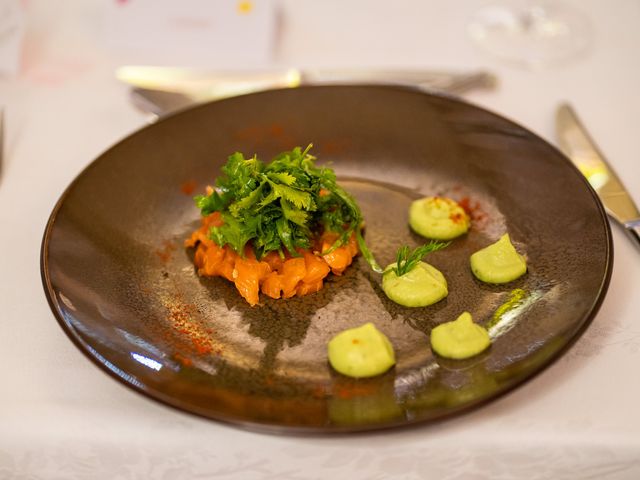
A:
[(577, 144), (160, 90)]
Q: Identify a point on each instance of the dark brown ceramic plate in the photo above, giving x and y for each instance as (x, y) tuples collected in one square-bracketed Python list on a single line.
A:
[(124, 289)]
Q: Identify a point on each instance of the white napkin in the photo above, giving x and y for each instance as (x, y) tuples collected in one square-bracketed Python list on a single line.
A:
[(12, 25), (193, 33)]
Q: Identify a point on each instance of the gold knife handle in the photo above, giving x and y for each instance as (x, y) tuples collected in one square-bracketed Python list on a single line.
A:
[(632, 227)]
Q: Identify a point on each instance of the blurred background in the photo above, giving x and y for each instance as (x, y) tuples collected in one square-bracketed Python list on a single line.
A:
[(59, 60), (68, 70)]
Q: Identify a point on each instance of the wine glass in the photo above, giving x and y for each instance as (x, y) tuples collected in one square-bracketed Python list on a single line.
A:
[(531, 33)]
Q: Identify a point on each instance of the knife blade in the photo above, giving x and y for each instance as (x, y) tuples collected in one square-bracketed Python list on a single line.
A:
[(178, 87), (577, 144)]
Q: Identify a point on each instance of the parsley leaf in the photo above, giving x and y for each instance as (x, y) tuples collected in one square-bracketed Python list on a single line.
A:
[(407, 259), (280, 205), (211, 203)]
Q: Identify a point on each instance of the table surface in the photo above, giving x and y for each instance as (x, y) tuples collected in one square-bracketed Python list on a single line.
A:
[(60, 417)]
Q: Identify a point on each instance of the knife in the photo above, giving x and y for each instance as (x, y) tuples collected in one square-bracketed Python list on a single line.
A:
[(576, 143), (171, 88)]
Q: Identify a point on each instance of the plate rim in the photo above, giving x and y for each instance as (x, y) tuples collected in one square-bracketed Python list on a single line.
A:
[(272, 428)]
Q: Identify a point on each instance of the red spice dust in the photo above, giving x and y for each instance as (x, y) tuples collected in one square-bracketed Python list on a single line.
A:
[(354, 390), (203, 345), (276, 130), (319, 391), (456, 217), (165, 253), (473, 209), (188, 187), (181, 315), (335, 146), (185, 361), (271, 134)]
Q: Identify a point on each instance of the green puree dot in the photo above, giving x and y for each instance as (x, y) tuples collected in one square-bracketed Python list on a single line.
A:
[(361, 352), (439, 218), (422, 286), (499, 262), (460, 338)]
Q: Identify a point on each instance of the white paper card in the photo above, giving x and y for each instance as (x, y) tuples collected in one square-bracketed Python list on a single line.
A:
[(12, 27), (192, 33)]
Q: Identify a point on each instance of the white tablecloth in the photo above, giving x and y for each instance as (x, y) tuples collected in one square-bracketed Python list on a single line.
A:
[(61, 418)]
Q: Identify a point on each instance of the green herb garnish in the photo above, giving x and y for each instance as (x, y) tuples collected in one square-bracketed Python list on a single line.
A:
[(281, 205), (407, 259)]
